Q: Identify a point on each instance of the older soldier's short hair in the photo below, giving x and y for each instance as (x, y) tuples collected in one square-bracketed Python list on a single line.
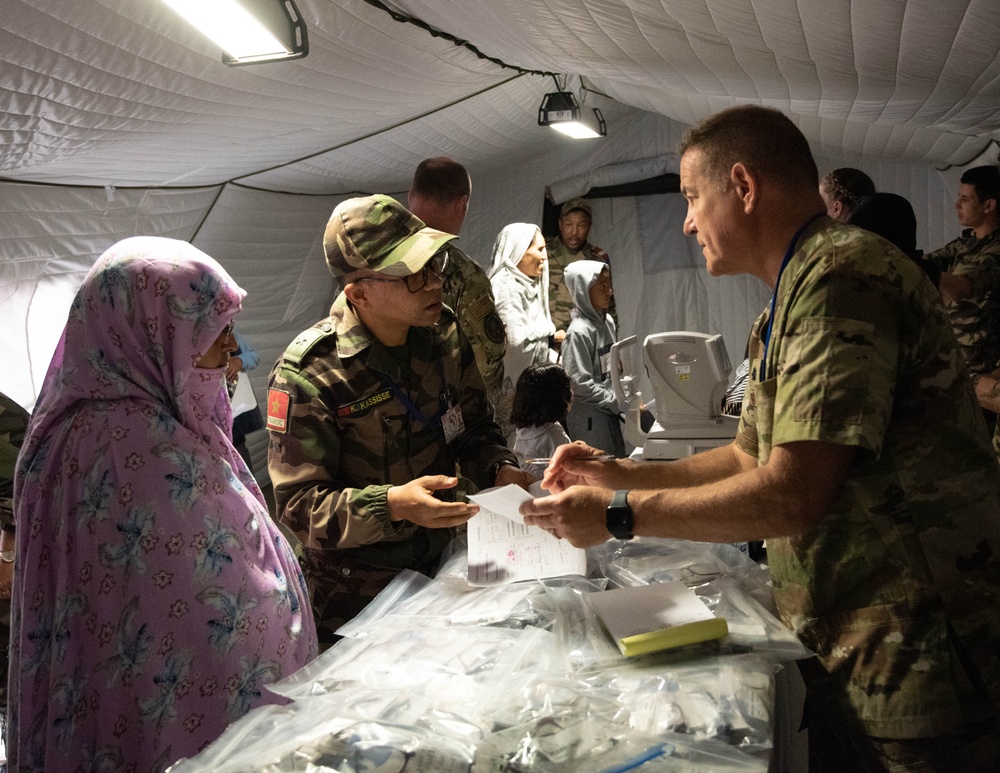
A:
[(986, 181), (762, 139), (442, 179)]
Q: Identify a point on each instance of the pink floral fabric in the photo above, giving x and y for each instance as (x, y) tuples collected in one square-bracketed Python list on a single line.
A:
[(154, 597)]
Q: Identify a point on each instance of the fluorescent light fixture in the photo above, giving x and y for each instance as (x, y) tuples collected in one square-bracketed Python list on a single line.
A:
[(560, 110), (248, 31)]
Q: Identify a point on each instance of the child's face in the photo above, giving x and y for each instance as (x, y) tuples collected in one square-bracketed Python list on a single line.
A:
[(601, 292)]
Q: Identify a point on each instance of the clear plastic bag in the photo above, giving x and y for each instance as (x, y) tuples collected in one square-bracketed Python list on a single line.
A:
[(414, 601), (729, 699), (646, 560), (460, 667), (751, 625), (732, 586), (328, 734), (575, 744)]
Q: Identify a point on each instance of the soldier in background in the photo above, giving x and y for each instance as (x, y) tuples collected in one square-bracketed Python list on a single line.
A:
[(970, 272), (571, 245), (439, 196), (369, 411), (860, 456)]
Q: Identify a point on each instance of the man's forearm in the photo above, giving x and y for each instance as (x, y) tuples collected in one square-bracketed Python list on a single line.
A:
[(706, 467), (988, 391), (954, 287)]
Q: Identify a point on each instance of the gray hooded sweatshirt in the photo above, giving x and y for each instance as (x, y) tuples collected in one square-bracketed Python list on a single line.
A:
[(585, 356)]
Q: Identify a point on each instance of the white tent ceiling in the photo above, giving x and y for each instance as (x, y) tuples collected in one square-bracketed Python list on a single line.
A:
[(122, 92), (247, 163)]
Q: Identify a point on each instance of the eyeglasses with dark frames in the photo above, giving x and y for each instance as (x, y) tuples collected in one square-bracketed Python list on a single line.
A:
[(416, 281)]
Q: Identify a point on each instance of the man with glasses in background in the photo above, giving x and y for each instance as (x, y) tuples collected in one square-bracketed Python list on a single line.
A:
[(370, 410)]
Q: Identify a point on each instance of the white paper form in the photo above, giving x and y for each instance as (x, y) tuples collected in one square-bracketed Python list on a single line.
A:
[(505, 500), (502, 549)]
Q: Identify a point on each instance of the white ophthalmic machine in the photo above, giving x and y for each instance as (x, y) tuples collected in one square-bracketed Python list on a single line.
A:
[(689, 373)]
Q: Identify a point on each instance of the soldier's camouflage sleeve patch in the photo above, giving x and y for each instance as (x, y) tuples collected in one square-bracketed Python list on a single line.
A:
[(279, 408), (481, 307), (493, 326)]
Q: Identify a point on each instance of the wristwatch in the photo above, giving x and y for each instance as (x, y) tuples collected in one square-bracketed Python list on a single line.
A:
[(7, 556), (619, 516)]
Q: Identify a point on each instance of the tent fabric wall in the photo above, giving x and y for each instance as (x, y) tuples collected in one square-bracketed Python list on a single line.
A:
[(272, 244), (50, 238)]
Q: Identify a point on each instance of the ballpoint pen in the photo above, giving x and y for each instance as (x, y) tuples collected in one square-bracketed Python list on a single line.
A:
[(595, 458)]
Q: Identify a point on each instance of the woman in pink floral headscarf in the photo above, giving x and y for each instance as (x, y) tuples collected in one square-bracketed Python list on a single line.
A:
[(154, 597)]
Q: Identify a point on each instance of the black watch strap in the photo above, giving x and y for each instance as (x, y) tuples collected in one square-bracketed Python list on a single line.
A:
[(619, 516)]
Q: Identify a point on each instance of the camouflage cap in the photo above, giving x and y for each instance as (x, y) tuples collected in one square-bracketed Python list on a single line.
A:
[(576, 203), (380, 234)]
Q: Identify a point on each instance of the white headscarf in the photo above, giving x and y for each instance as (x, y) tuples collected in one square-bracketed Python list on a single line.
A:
[(508, 250)]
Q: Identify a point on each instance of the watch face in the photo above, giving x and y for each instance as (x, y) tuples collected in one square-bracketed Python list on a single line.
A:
[(619, 516)]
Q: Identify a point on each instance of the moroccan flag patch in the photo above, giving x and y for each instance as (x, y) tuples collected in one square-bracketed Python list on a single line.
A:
[(279, 405)]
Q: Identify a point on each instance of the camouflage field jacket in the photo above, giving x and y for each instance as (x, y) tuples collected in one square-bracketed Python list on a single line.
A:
[(340, 437), (975, 320), (904, 571), (466, 289)]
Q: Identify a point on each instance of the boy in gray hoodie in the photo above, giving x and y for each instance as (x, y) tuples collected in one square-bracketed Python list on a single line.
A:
[(586, 357)]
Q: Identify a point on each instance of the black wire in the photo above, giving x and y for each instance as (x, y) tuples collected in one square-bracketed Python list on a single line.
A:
[(404, 19)]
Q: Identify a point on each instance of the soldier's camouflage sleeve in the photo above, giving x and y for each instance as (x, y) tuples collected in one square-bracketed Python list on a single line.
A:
[(560, 301), (467, 291), (943, 257), (482, 447), (975, 320), (13, 426)]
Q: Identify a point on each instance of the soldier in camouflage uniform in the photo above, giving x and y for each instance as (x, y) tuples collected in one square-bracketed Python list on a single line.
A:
[(369, 411), (860, 456), (970, 270), (568, 247), (13, 424), (439, 196)]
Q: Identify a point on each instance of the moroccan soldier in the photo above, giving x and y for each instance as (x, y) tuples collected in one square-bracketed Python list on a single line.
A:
[(439, 196), (861, 456), (369, 411), (571, 245)]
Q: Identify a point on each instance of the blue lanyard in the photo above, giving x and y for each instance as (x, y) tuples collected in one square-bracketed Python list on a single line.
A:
[(774, 298), (411, 408)]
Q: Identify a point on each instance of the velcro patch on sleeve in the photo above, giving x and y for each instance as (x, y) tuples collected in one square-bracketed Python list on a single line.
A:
[(279, 408), (480, 307)]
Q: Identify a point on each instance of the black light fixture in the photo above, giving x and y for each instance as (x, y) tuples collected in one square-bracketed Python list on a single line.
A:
[(560, 110), (248, 31)]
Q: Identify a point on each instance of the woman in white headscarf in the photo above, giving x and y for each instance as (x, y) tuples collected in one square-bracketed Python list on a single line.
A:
[(519, 275)]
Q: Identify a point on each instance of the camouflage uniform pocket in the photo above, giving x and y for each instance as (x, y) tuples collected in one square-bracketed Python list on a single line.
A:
[(829, 362), (894, 666), (339, 588)]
